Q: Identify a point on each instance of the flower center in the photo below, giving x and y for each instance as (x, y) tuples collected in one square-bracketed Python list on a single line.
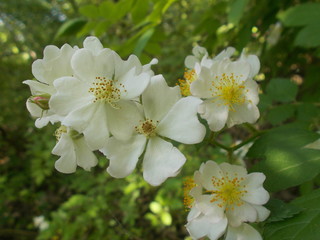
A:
[(229, 192), (189, 76), (62, 129), (147, 128), (229, 89), (104, 89)]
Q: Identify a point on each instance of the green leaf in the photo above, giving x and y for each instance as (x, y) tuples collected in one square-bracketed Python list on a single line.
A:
[(302, 226), (264, 103), (101, 28), (70, 27), (281, 210), (309, 36), (301, 15), (236, 11), (279, 114), (142, 42), (282, 90), (284, 160), (139, 10), (90, 11)]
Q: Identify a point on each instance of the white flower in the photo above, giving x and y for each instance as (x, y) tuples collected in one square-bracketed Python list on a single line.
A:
[(198, 54), (196, 62), (230, 93), (74, 151), (55, 64), (97, 100), (165, 114), (40, 222), (224, 197)]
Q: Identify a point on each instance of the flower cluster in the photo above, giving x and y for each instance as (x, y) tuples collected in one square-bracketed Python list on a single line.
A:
[(95, 96), (222, 198), (125, 111)]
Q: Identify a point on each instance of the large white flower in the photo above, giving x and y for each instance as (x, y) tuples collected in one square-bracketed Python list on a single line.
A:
[(165, 114), (97, 99), (73, 151), (224, 198), (230, 93), (55, 64)]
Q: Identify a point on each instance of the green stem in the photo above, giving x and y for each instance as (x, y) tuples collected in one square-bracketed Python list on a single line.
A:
[(250, 139), (214, 142), (251, 128)]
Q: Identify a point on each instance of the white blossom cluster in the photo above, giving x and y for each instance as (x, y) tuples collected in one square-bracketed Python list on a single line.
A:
[(122, 109)]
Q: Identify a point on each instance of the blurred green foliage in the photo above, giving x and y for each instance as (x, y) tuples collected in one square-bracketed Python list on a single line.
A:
[(92, 205)]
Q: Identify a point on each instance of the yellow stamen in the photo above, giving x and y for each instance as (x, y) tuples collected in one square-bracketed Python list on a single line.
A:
[(187, 199), (184, 84), (104, 89), (229, 89), (229, 192), (147, 128)]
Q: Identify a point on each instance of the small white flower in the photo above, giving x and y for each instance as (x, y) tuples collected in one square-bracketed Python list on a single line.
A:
[(230, 93), (40, 222), (224, 198), (73, 151), (165, 114), (98, 99), (55, 64), (196, 62), (198, 54)]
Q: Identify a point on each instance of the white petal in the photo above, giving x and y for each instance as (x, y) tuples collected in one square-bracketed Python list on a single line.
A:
[(240, 214), (216, 114), (256, 194), (244, 232), (262, 212), (122, 121), (190, 61), (96, 130), (204, 204), (233, 170), (204, 176), (254, 62), (252, 93), (218, 229), (88, 66), (55, 64), (201, 87), (243, 113), (39, 87), (67, 162), (203, 226), (241, 70), (161, 160), (79, 118), (85, 157), (123, 155), (71, 95), (93, 44), (122, 67), (227, 53), (147, 67), (43, 116), (133, 84), (158, 98), (194, 212), (181, 123)]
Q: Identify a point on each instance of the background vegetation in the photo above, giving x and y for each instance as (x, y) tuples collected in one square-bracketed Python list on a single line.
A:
[(92, 205)]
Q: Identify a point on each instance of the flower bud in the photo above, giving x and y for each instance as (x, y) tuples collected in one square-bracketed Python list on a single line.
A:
[(41, 100)]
